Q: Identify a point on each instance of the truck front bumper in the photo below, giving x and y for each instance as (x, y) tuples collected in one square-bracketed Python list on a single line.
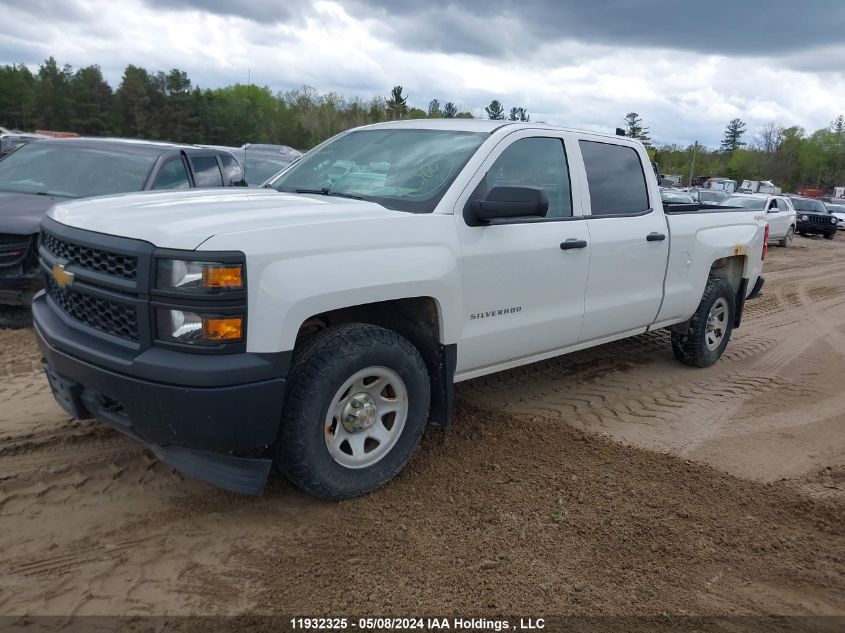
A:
[(218, 433)]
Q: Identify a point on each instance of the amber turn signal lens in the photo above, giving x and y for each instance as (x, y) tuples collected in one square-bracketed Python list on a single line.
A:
[(222, 277), (222, 329)]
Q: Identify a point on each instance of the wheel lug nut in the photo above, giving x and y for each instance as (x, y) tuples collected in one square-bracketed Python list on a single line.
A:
[(350, 418), (356, 404)]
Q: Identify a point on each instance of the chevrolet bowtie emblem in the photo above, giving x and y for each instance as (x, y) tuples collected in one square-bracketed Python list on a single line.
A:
[(63, 278)]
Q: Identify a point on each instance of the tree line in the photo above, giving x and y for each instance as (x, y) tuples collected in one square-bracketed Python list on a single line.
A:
[(791, 157), (167, 106)]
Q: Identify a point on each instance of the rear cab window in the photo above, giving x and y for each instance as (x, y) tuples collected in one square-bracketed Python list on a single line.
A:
[(206, 171), (615, 178)]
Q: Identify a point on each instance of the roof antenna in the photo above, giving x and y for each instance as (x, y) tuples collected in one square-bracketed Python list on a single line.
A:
[(246, 145)]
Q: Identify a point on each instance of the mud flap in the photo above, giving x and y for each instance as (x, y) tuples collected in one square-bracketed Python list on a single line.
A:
[(238, 474), (443, 385), (758, 288)]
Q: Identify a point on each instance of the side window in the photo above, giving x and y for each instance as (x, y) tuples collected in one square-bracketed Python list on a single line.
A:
[(615, 177), (773, 204), (172, 175), (233, 175), (533, 162), (207, 171)]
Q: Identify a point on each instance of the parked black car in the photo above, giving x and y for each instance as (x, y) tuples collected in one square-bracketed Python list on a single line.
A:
[(812, 217), (38, 175)]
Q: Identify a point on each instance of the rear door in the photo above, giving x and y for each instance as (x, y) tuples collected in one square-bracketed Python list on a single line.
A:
[(629, 241), (523, 278)]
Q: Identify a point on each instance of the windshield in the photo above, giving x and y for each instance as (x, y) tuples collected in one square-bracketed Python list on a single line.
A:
[(812, 206), (259, 168), (745, 203), (405, 170), (71, 171)]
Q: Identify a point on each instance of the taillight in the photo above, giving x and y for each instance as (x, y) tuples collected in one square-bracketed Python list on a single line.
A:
[(765, 243)]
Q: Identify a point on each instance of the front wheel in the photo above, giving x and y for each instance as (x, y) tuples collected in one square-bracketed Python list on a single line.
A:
[(787, 239), (829, 236), (356, 406), (710, 328)]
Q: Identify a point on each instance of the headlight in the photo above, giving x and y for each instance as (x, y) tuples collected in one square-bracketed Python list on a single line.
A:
[(194, 328), (833, 220), (804, 218), (198, 277)]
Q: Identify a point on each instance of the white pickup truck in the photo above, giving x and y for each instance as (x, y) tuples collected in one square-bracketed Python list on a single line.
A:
[(320, 322)]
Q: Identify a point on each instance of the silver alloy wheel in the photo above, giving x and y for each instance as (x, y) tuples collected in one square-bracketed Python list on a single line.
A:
[(366, 417), (717, 324), (790, 233)]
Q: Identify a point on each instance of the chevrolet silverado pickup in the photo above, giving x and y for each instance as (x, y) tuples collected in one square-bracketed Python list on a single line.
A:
[(319, 323)]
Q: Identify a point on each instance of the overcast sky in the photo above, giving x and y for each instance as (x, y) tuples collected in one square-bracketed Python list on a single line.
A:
[(686, 67)]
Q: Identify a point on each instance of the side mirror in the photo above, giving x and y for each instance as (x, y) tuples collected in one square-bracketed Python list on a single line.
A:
[(510, 202)]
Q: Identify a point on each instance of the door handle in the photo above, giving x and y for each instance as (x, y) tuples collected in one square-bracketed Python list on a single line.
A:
[(655, 237), (570, 244)]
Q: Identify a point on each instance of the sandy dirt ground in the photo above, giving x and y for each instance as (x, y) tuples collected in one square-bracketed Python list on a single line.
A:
[(612, 481)]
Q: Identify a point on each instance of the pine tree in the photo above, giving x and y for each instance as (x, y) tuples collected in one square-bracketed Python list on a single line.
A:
[(434, 111), (397, 105), (495, 111), (450, 110), (635, 129), (732, 140), (519, 114)]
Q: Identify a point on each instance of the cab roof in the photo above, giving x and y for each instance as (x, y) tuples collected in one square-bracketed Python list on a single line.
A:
[(480, 125)]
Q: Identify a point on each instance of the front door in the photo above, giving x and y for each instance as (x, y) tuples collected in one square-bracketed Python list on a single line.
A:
[(523, 291)]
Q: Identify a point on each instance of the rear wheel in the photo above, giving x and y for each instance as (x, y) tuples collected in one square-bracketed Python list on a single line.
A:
[(710, 328), (355, 410), (787, 239)]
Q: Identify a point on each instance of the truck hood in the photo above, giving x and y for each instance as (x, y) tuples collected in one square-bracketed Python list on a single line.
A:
[(21, 213), (186, 219)]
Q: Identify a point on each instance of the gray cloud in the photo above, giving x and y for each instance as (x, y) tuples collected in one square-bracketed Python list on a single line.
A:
[(493, 28), (264, 11), (67, 11)]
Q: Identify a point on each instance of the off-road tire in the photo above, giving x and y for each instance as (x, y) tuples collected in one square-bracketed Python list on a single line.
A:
[(829, 236), (15, 318), (689, 347), (787, 239), (319, 370)]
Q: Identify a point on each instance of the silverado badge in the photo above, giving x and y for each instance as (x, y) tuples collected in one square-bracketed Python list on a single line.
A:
[(63, 278)]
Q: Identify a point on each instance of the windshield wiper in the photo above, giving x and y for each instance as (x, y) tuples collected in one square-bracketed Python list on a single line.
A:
[(325, 191)]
